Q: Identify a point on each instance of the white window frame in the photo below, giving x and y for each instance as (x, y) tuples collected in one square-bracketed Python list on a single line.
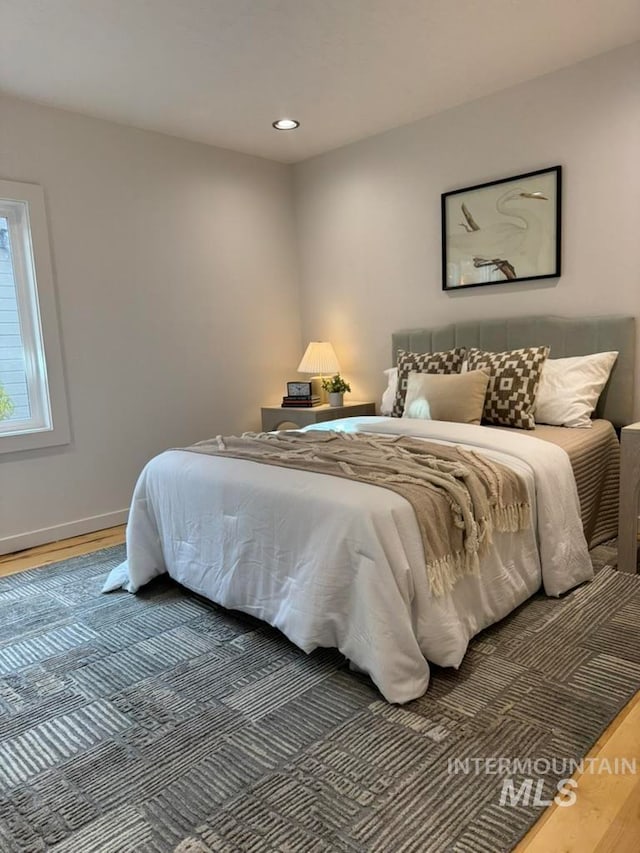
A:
[(23, 206)]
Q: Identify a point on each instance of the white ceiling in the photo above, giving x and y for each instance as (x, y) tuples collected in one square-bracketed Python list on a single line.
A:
[(220, 71)]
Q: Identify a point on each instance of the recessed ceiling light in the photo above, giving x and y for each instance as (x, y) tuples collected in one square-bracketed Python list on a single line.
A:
[(285, 124)]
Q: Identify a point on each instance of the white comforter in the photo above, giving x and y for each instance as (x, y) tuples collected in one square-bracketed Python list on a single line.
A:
[(332, 562)]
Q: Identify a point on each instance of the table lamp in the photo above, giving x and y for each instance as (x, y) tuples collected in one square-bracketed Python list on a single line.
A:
[(319, 359)]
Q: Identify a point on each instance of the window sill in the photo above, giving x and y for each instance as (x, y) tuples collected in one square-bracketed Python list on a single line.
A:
[(35, 439)]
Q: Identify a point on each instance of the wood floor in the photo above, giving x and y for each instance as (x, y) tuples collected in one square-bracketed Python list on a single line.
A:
[(606, 815), (44, 555)]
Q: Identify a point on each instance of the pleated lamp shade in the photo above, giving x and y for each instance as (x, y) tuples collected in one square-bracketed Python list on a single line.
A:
[(319, 358)]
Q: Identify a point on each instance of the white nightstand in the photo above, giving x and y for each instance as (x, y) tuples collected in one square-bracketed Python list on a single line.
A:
[(274, 416), (629, 491)]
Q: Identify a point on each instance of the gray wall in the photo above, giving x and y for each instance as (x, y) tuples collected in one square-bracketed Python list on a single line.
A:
[(368, 215), (178, 302)]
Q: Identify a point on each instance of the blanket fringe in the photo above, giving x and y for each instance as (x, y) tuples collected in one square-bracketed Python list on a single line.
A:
[(511, 518), (444, 573)]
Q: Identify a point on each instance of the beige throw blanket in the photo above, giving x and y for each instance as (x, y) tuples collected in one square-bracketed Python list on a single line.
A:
[(458, 496)]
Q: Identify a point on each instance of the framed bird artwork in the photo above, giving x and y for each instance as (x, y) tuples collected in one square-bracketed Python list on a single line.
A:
[(502, 231)]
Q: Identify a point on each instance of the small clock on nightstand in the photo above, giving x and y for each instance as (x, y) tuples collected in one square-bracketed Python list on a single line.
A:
[(299, 389)]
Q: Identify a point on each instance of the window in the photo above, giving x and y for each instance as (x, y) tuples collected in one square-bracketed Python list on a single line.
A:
[(33, 408)]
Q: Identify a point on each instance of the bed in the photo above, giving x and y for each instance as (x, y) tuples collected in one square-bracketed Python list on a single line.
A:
[(338, 563)]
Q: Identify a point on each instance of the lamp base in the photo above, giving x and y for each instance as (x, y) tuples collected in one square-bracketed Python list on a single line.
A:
[(317, 390)]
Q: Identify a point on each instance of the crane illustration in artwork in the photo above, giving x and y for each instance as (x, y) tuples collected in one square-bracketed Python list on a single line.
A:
[(512, 247)]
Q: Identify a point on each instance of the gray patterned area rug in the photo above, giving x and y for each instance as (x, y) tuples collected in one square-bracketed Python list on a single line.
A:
[(160, 722)]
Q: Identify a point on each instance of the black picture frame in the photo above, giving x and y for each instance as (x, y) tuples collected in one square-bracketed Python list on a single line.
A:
[(518, 244)]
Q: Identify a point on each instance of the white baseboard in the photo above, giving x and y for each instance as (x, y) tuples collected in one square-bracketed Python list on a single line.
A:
[(33, 538)]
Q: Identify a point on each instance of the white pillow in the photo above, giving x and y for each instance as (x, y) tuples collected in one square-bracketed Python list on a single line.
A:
[(570, 388), (389, 396)]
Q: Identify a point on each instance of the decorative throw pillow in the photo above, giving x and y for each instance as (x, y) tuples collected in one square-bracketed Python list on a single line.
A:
[(389, 394), (513, 384), (457, 397), (423, 362), (570, 388)]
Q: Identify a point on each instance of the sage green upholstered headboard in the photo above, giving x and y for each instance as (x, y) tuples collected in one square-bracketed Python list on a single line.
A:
[(565, 335)]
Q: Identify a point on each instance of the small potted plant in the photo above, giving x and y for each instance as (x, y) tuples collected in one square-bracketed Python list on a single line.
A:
[(6, 404), (336, 386)]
